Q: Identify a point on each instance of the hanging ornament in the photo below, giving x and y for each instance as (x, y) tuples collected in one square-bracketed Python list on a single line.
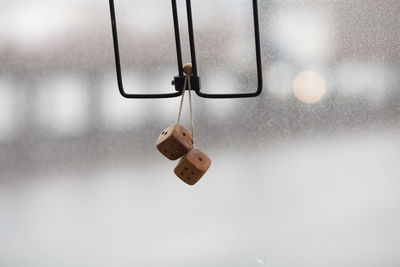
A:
[(177, 142)]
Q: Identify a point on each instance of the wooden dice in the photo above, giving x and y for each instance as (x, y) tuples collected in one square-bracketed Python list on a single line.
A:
[(174, 142), (192, 166)]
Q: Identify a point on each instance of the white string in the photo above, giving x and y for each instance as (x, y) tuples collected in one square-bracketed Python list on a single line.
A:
[(183, 96), (187, 81), (191, 111)]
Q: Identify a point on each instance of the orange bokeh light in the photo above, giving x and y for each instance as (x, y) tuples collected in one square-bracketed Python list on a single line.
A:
[(309, 87)]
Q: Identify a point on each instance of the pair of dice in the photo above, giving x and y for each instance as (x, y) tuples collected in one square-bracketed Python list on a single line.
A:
[(176, 141)]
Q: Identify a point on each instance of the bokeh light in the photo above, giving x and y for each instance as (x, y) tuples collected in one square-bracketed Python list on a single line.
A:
[(62, 106), (303, 35), (309, 87), (363, 80)]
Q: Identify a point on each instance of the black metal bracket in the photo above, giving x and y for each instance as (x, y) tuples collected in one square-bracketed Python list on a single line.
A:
[(179, 81), (195, 79)]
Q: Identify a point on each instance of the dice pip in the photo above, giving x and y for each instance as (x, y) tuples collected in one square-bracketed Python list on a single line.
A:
[(174, 142), (192, 166)]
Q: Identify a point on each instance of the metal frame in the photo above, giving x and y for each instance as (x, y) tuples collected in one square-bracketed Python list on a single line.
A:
[(195, 79)]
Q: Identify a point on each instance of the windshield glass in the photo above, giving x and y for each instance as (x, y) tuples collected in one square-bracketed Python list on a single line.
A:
[(306, 174)]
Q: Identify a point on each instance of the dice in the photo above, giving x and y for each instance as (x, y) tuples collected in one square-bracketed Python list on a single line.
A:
[(174, 142), (192, 166)]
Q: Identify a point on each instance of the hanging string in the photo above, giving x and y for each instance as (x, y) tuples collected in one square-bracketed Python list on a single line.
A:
[(183, 96), (187, 81), (191, 110)]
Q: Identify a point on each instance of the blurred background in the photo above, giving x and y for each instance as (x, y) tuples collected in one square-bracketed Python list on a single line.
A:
[(307, 174)]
